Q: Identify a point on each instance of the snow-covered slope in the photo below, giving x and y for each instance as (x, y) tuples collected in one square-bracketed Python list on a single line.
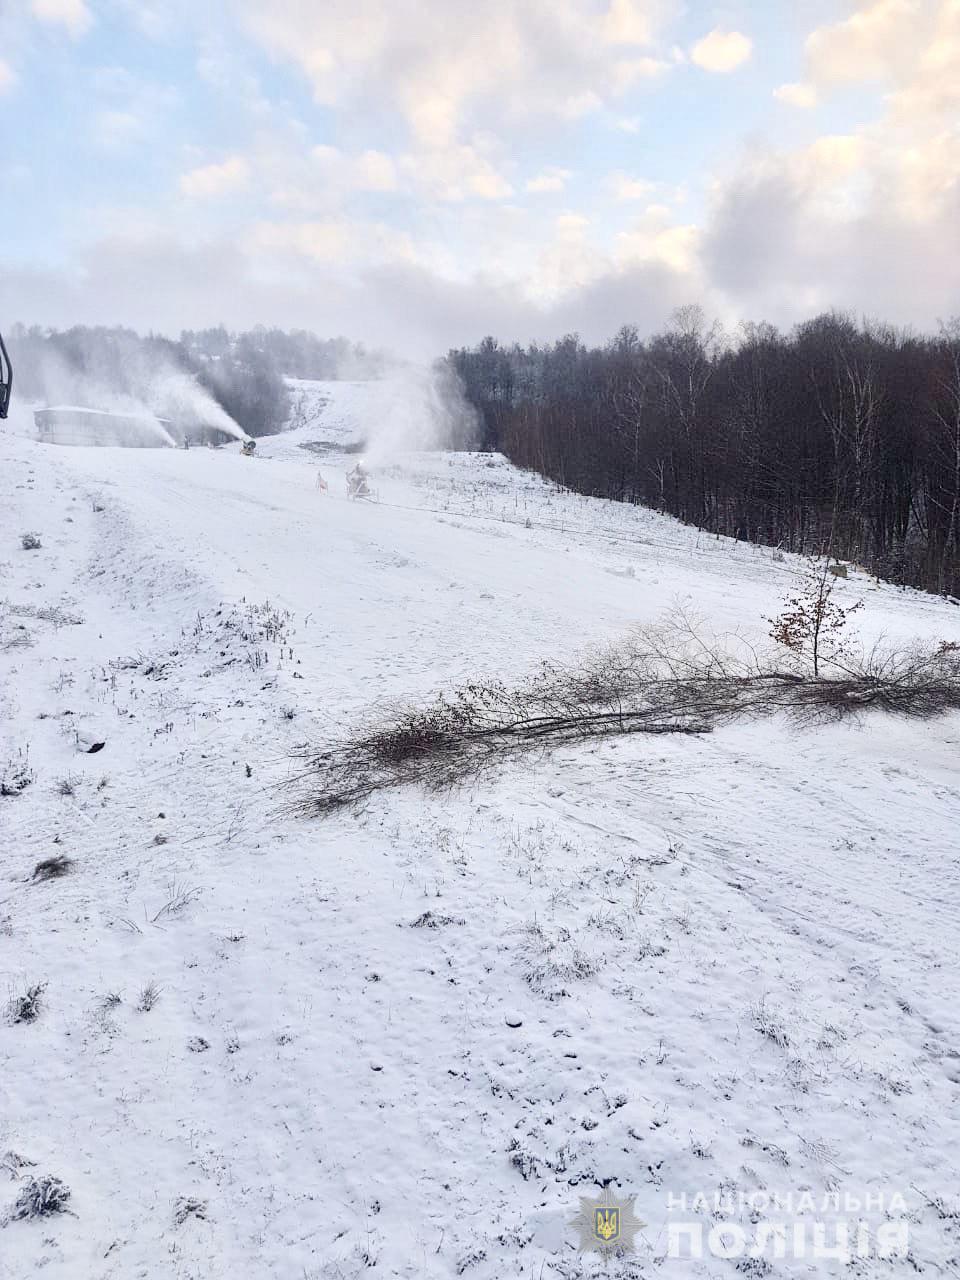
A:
[(407, 1041)]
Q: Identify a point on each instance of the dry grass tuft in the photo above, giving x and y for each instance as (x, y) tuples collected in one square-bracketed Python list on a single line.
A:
[(52, 868)]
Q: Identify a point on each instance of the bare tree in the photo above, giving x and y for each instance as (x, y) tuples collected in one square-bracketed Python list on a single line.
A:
[(813, 624)]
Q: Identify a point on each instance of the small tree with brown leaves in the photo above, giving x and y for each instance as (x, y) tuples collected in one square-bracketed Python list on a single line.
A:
[(812, 624)]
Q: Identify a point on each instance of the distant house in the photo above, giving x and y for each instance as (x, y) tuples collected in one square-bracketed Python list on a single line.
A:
[(72, 424)]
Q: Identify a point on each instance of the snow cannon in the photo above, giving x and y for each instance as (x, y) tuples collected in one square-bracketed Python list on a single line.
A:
[(357, 482)]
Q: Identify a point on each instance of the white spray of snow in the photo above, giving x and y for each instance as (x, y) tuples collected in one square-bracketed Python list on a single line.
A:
[(184, 401), (161, 431), (112, 422), (414, 408), (145, 383)]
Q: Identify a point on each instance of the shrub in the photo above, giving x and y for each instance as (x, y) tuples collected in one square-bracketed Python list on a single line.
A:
[(52, 868), (16, 777), (31, 542), (189, 1207), (26, 1008), (39, 1198)]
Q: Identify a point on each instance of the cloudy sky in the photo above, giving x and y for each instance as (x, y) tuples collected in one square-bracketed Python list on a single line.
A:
[(420, 172)]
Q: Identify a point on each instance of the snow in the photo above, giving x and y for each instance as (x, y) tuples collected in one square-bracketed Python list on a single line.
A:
[(406, 1041)]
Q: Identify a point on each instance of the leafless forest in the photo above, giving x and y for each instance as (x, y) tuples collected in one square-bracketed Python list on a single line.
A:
[(838, 438)]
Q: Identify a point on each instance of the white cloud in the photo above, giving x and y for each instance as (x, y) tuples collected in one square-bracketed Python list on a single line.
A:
[(722, 51), (400, 305), (571, 226), (489, 186), (233, 81), (865, 220), (909, 159), (654, 239), (674, 247), (73, 14), (212, 180), (624, 187), (568, 262), (548, 180), (580, 104), (629, 71), (369, 171), (628, 22), (375, 171), (8, 77), (157, 22), (324, 179), (789, 235), (446, 76), (927, 87), (334, 241), (836, 155), (872, 43), (115, 129), (912, 47), (803, 96), (131, 111), (324, 241), (437, 124), (455, 173)]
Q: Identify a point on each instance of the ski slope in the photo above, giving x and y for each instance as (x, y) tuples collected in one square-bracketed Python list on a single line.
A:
[(406, 1041)]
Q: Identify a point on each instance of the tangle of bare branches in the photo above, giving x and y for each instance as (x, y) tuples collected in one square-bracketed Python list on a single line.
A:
[(669, 681)]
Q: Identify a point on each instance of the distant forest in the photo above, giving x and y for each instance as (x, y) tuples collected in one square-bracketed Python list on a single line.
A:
[(296, 353), (244, 372), (838, 438)]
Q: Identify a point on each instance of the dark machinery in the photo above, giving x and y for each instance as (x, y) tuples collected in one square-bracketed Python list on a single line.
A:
[(6, 379)]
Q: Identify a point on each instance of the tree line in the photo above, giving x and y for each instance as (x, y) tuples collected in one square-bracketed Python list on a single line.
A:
[(838, 438), (294, 353)]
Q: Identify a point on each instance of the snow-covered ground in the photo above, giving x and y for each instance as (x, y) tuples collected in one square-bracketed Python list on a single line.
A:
[(405, 1042)]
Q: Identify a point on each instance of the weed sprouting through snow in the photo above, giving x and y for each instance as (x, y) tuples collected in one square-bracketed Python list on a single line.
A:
[(180, 899), (149, 997), (770, 1025)]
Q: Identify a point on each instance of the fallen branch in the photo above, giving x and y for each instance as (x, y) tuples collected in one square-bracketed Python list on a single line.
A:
[(641, 687)]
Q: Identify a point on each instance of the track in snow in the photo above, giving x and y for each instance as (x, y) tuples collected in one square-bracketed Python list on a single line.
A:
[(361, 1097)]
